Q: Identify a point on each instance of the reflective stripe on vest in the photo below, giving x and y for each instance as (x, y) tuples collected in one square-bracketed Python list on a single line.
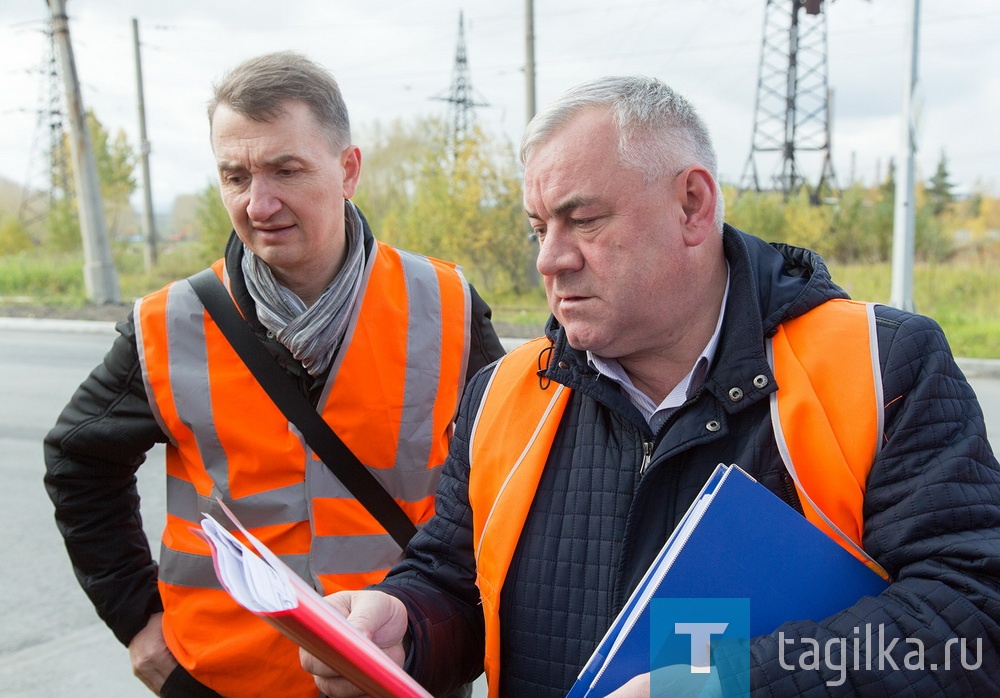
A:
[(845, 406), (391, 396)]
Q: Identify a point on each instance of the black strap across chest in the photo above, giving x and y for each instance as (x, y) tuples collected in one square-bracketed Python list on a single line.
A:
[(299, 411)]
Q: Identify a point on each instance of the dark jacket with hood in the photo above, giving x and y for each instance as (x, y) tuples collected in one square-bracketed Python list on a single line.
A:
[(102, 437), (931, 513)]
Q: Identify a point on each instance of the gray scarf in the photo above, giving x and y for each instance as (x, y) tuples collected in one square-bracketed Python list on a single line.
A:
[(312, 334)]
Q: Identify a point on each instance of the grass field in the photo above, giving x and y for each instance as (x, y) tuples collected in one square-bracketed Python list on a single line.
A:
[(964, 297)]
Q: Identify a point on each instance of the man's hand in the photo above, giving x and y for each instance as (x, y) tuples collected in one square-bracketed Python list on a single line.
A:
[(380, 617), (152, 662)]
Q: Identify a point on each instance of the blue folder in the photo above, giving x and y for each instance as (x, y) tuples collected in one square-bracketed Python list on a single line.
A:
[(737, 540)]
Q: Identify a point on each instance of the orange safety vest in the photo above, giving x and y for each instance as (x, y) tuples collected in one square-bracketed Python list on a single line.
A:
[(827, 420), (391, 396)]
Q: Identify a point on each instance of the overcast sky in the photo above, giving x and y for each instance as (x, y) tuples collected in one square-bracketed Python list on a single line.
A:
[(393, 57)]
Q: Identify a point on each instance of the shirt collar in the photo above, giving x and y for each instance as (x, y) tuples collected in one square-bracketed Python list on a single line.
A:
[(695, 378)]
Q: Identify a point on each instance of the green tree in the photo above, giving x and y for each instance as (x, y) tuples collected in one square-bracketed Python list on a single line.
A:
[(466, 207), (929, 240), (759, 213), (213, 224), (884, 213), (13, 237), (806, 224), (115, 161), (862, 223), (391, 158), (64, 233), (939, 188), (462, 204)]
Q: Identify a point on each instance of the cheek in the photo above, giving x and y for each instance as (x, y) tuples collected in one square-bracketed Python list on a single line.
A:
[(548, 282), (234, 204)]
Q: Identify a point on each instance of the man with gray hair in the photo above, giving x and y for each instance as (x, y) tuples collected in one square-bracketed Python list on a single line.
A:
[(378, 341), (677, 343)]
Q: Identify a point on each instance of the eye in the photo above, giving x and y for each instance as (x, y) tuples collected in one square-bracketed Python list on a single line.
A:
[(235, 179), (536, 235)]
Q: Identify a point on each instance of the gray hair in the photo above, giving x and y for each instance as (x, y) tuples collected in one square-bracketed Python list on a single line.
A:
[(659, 132), (258, 88)]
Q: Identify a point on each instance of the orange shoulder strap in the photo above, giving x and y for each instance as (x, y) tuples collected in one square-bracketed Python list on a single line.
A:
[(508, 447), (827, 414)]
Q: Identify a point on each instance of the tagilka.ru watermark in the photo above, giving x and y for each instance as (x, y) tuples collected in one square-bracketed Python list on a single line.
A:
[(699, 642), (870, 649)]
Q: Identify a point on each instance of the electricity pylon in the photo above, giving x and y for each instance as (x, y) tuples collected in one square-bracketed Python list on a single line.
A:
[(792, 114)]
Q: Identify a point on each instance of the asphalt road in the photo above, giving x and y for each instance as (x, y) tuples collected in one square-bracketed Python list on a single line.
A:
[(51, 641)]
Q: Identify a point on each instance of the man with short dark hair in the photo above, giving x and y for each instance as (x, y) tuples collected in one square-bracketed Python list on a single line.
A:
[(380, 340)]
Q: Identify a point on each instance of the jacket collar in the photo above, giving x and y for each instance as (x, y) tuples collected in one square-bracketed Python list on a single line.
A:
[(769, 284)]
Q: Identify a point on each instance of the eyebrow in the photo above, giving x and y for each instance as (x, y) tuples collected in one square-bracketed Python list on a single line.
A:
[(276, 161), (282, 159), (570, 204)]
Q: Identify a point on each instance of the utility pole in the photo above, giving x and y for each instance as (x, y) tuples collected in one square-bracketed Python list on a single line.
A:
[(99, 275), (529, 59), (904, 218), (148, 225), (531, 268)]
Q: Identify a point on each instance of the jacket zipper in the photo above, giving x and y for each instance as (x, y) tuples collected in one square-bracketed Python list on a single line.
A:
[(647, 455), (789, 493)]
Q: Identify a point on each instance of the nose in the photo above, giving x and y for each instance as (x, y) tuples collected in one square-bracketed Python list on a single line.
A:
[(264, 201), (558, 252)]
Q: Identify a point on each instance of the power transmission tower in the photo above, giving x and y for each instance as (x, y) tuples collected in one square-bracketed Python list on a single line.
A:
[(792, 112), (48, 183), (462, 98)]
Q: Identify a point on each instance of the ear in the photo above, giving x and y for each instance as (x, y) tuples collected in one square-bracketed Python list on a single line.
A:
[(698, 195), (350, 159)]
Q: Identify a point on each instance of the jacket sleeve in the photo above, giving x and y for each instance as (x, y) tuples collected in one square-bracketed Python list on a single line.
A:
[(932, 520), (484, 345), (91, 455), (437, 579)]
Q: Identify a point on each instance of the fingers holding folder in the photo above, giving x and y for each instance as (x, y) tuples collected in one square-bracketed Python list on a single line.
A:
[(379, 617)]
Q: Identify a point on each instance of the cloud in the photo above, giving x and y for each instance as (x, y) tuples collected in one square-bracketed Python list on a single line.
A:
[(392, 57)]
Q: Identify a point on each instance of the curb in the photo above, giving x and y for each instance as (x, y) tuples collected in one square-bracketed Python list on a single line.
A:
[(977, 368), (30, 324)]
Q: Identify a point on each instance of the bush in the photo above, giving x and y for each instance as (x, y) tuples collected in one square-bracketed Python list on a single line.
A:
[(13, 237), (44, 278)]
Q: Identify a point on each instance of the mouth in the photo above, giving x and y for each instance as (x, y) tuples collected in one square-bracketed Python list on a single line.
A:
[(571, 301), (271, 230), (570, 295)]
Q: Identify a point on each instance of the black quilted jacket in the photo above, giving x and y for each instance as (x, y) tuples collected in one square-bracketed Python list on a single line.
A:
[(932, 511)]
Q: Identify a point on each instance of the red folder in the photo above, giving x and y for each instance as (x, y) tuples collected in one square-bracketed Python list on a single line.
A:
[(266, 586)]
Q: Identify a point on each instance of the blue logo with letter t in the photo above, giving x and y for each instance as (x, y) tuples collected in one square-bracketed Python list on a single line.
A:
[(699, 645)]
